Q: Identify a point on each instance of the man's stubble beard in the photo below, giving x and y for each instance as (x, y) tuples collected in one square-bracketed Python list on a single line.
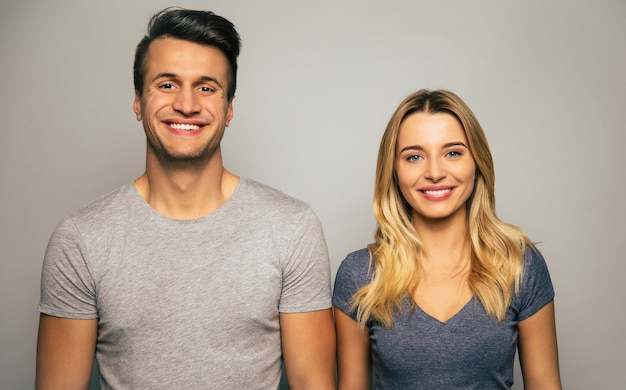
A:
[(187, 162)]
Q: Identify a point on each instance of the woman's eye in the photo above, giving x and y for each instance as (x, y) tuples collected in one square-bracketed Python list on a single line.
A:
[(414, 158), (454, 154)]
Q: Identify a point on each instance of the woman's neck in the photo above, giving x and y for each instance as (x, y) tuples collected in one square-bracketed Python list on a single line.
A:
[(445, 241)]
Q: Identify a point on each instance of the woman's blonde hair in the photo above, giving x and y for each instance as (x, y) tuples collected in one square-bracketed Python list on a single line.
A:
[(497, 248)]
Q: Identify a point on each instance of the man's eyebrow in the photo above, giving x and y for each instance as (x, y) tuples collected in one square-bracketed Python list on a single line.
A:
[(166, 75), (211, 80)]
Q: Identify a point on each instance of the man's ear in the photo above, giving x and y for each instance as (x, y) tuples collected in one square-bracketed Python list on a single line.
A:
[(137, 106), (230, 113)]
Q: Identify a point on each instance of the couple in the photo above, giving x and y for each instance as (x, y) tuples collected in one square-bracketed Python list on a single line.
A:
[(193, 277)]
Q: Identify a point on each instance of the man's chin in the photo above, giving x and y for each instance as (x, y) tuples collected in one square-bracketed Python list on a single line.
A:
[(184, 160)]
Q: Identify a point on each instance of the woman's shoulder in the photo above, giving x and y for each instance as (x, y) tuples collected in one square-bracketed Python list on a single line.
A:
[(356, 267), (353, 273), (536, 287), (533, 260), (357, 259)]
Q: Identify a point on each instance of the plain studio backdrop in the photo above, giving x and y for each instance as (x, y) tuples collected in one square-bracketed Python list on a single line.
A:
[(318, 82)]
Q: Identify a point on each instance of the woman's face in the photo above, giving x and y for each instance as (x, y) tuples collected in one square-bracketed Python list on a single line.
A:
[(434, 167)]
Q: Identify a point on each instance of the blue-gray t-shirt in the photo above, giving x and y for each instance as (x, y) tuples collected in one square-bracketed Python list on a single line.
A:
[(469, 351)]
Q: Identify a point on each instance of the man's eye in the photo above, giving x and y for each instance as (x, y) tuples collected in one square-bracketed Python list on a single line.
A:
[(207, 89), (167, 86)]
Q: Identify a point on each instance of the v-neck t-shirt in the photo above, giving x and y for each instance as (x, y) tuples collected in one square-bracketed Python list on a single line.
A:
[(470, 350)]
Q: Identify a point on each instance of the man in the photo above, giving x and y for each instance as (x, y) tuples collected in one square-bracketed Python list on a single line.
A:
[(191, 277)]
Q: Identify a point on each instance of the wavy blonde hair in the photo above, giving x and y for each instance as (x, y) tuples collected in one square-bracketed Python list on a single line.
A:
[(497, 248)]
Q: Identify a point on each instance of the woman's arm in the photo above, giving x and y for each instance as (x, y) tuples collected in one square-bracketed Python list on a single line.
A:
[(354, 360), (538, 351)]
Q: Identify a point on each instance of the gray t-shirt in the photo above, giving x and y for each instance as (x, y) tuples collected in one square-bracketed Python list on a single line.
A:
[(188, 304), (469, 351)]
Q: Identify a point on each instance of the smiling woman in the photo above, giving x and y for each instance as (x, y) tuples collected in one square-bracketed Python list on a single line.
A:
[(438, 300), (434, 167)]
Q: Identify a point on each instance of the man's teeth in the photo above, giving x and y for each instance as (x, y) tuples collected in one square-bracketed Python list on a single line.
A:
[(181, 126), (437, 192)]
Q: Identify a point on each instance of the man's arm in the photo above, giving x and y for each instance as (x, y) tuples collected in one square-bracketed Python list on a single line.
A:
[(538, 350), (354, 359), (65, 352), (308, 342)]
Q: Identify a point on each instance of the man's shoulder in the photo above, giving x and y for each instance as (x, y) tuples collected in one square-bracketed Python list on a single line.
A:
[(269, 196), (96, 219), (258, 201), (105, 206)]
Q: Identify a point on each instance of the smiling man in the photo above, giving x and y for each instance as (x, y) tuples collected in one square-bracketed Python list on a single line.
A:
[(190, 277)]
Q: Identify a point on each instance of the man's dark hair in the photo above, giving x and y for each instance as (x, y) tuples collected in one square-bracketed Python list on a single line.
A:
[(202, 27)]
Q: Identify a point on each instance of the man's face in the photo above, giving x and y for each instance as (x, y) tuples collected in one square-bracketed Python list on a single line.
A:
[(183, 105)]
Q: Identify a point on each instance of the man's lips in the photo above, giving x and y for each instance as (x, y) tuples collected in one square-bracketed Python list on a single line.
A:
[(184, 126)]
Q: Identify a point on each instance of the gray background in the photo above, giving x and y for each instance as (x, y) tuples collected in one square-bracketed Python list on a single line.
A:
[(318, 81)]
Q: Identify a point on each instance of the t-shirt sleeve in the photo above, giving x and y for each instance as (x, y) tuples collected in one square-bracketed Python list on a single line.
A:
[(536, 289), (351, 276), (67, 287), (306, 269)]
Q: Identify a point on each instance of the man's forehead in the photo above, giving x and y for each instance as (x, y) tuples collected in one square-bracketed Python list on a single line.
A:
[(181, 54)]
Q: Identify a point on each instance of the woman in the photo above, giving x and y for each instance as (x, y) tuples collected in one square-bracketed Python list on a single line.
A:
[(447, 291)]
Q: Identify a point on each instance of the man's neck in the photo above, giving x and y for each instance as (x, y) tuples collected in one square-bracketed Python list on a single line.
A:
[(186, 194)]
